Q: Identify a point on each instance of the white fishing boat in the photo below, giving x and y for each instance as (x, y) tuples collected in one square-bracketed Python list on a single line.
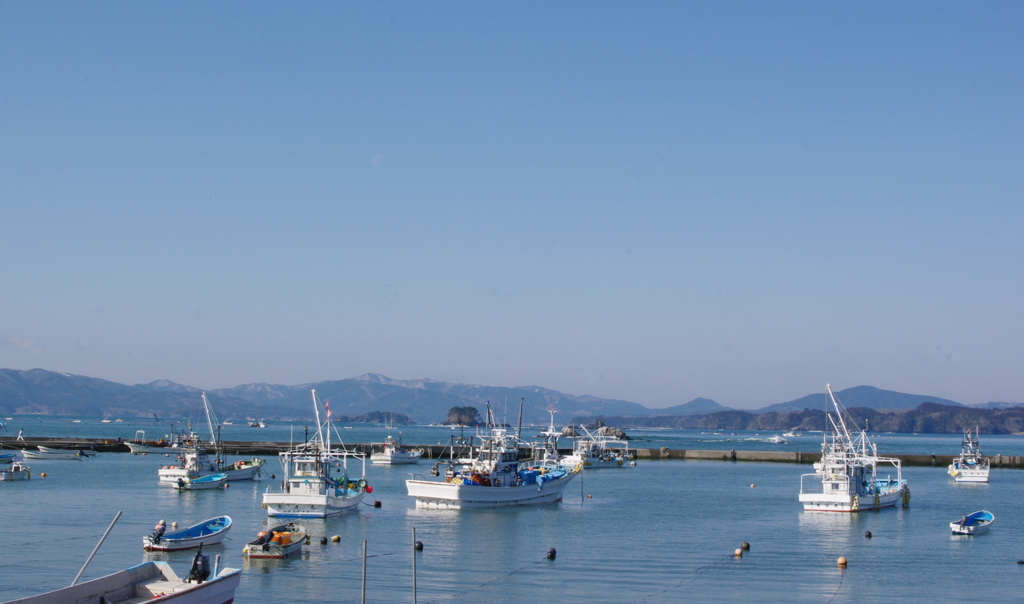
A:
[(138, 444), (846, 479), (493, 477), (316, 481), (207, 532), (54, 454), (972, 524), (393, 452), (593, 452), (971, 466), (213, 481), (17, 471), (278, 542), (149, 583), (196, 461)]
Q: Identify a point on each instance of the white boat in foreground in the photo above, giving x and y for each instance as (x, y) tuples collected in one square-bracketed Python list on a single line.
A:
[(277, 542), (207, 532), (494, 477), (971, 466), (316, 481), (17, 471), (846, 478), (147, 583), (972, 524)]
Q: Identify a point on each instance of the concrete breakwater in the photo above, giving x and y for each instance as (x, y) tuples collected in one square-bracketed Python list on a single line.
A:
[(443, 452)]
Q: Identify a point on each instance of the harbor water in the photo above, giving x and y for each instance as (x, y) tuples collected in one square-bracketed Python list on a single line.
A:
[(664, 531)]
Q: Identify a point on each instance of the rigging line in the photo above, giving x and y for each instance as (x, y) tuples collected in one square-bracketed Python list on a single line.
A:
[(698, 571), (842, 575), (486, 583)]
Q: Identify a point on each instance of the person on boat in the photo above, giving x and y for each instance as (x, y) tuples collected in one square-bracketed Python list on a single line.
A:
[(160, 527), (181, 482)]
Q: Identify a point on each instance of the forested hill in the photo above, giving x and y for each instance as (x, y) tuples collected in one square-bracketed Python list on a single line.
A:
[(927, 418)]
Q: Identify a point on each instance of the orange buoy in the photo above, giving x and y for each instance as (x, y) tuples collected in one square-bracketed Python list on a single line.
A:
[(841, 562), (43, 475)]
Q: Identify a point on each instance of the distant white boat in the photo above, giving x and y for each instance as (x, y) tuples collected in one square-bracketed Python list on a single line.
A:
[(846, 479), (594, 452), (54, 454), (148, 583), (393, 452), (972, 524), (971, 466), (17, 471), (778, 440)]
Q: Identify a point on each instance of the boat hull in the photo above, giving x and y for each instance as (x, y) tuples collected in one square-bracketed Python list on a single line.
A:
[(450, 496), (15, 474), (844, 502), (969, 474), (295, 505), (191, 537), (58, 455), (172, 474), (147, 583)]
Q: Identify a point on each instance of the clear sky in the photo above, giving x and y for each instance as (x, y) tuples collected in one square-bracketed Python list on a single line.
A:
[(647, 201)]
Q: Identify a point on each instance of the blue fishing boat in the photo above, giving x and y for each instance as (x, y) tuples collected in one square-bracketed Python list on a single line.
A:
[(208, 532), (213, 481), (972, 524)]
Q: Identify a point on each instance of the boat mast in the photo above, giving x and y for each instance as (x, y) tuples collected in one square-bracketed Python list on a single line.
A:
[(209, 422), (316, 410)]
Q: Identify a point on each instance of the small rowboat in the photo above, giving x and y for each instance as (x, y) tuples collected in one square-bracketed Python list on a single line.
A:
[(49, 453), (207, 532), (973, 524), (213, 481), (277, 542), (8, 457)]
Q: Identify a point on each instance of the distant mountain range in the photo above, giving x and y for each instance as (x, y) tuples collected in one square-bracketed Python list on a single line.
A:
[(38, 391)]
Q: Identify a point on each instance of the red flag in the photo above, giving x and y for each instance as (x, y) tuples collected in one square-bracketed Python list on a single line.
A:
[(327, 406)]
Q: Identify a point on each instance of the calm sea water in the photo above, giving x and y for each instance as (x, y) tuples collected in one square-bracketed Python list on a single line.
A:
[(663, 531)]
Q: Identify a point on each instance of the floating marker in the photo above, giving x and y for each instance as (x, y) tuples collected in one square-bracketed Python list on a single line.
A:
[(841, 562), (418, 546), (551, 554), (738, 553), (745, 546)]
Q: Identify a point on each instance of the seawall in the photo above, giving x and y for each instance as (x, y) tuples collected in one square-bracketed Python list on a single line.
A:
[(442, 452)]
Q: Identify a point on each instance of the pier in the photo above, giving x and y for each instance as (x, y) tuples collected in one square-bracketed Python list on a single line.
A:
[(442, 452)]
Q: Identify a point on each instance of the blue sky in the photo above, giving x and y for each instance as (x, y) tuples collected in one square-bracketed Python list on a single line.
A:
[(645, 201)]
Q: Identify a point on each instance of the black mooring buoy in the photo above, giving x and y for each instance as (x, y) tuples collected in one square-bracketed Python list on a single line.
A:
[(1020, 561), (551, 554), (868, 534), (323, 540), (418, 546), (376, 504), (745, 546)]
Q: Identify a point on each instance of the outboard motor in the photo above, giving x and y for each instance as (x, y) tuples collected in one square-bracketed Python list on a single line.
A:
[(200, 570)]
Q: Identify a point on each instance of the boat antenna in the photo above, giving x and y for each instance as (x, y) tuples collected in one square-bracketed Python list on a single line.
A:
[(519, 427)]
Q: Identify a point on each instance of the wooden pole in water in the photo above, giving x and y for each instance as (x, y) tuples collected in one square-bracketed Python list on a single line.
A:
[(363, 600), (414, 565), (95, 549)]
